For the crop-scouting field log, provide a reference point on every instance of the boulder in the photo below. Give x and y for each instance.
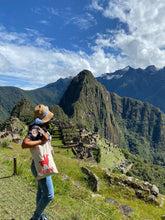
(65, 177)
(93, 180)
(112, 202)
(154, 190)
(152, 199)
(139, 194)
(126, 210)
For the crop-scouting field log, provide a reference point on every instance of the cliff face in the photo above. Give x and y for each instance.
(134, 125)
(86, 101)
(142, 127)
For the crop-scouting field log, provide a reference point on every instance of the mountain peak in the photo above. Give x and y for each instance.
(73, 92)
(126, 68)
(151, 68)
(84, 75)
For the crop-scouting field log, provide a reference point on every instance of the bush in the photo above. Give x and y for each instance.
(5, 143)
(97, 155)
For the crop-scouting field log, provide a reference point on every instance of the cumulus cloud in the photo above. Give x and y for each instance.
(42, 65)
(144, 43)
(31, 57)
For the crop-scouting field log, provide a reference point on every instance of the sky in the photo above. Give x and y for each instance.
(44, 40)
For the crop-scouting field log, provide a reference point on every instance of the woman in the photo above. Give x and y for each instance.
(45, 193)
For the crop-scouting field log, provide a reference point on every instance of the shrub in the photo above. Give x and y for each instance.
(5, 143)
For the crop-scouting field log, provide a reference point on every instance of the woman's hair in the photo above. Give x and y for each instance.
(44, 126)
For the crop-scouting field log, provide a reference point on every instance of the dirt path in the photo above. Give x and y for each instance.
(17, 200)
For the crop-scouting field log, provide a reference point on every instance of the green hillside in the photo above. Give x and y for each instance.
(133, 125)
(48, 95)
(73, 198)
(90, 105)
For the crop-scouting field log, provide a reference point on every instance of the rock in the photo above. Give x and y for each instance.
(152, 198)
(161, 203)
(10, 146)
(154, 190)
(65, 177)
(17, 140)
(76, 184)
(126, 210)
(112, 202)
(93, 180)
(97, 195)
(139, 194)
(108, 177)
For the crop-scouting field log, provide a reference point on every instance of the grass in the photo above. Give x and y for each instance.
(110, 156)
(73, 199)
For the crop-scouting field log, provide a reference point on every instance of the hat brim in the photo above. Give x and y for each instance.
(47, 117)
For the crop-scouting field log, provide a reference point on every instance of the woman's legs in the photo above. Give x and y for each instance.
(38, 197)
(45, 193)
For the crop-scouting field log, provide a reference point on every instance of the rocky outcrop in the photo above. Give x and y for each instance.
(12, 130)
(143, 190)
(93, 180)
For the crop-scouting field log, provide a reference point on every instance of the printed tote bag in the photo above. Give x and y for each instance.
(43, 160)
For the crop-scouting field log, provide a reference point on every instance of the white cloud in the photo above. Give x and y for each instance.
(144, 44)
(96, 4)
(32, 58)
(42, 65)
(82, 21)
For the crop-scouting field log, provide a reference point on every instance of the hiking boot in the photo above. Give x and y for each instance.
(44, 218)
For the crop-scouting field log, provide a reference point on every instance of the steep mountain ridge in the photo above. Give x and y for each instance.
(147, 85)
(139, 127)
(86, 101)
(142, 126)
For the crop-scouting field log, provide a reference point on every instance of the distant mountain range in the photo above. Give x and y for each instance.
(131, 124)
(147, 85)
(48, 95)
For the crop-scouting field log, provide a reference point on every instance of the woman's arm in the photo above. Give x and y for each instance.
(27, 143)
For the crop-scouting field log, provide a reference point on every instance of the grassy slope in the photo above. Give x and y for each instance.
(67, 204)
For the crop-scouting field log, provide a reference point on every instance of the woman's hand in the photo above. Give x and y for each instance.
(27, 143)
(45, 138)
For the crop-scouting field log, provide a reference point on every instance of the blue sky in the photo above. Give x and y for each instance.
(44, 40)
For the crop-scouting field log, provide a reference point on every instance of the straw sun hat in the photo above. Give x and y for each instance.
(42, 113)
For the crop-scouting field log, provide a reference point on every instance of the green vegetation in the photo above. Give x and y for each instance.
(48, 95)
(146, 171)
(73, 199)
(97, 155)
(24, 111)
(5, 143)
(132, 125)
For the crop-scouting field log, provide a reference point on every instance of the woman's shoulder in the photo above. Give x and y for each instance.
(34, 132)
